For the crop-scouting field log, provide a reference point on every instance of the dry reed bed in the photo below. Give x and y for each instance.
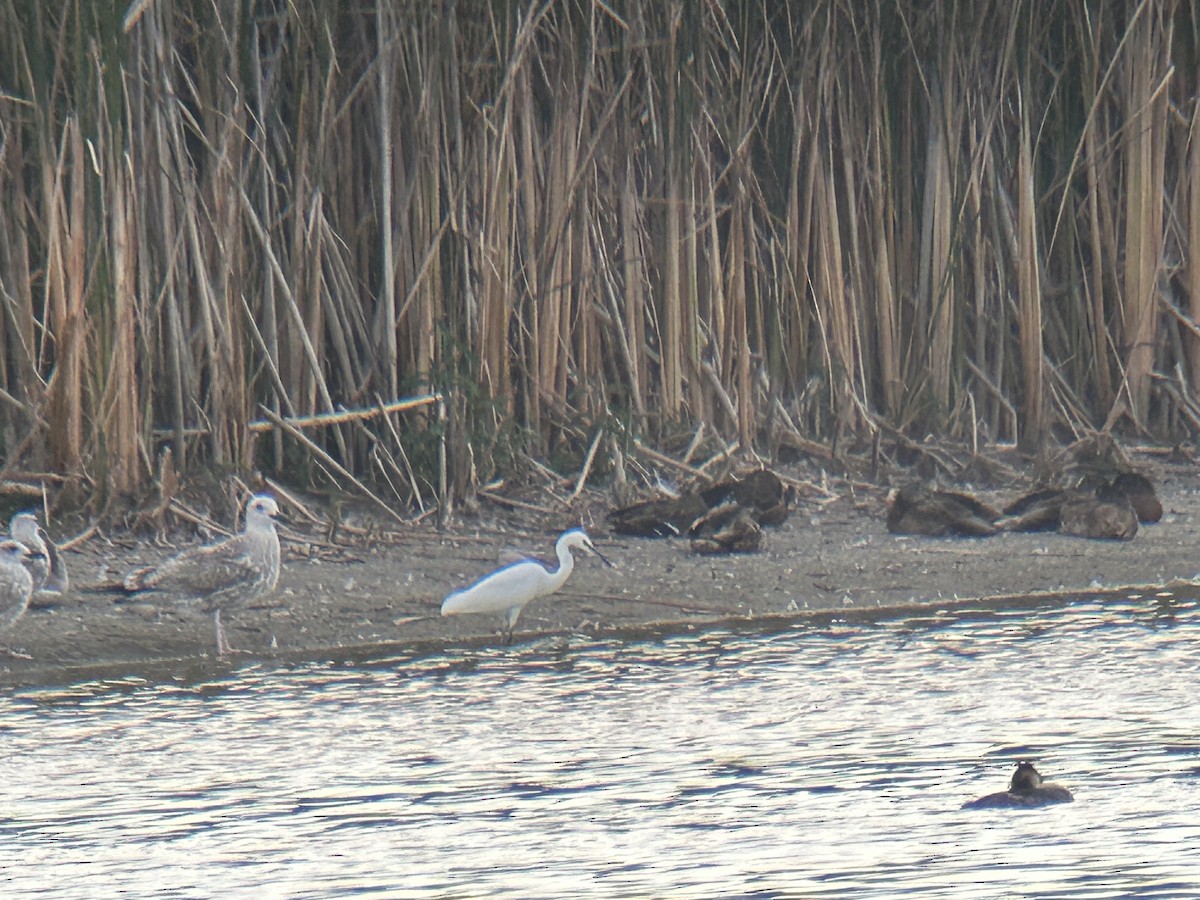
(586, 224)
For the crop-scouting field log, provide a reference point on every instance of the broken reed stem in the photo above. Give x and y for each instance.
(654, 455)
(330, 462)
(399, 442)
(1029, 291)
(348, 415)
(587, 465)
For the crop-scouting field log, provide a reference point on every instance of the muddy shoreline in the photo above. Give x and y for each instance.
(378, 593)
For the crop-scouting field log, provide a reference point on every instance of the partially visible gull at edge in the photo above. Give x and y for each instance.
(45, 563)
(16, 586)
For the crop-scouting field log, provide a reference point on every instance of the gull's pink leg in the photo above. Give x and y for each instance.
(222, 644)
(223, 648)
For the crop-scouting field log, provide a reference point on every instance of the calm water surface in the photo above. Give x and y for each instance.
(825, 759)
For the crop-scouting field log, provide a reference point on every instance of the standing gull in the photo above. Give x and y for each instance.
(45, 564)
(225, 575)
(510, 587)
(16, 585)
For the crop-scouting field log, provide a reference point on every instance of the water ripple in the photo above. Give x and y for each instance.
(825, 757)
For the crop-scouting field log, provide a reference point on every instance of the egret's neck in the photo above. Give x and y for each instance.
(566, 564)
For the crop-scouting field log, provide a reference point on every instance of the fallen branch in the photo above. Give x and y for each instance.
(20, 489)
(80, 538)
(345, 415)
(721, 456)
(791, 437)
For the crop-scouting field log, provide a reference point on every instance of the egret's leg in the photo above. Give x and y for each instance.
(511, 621)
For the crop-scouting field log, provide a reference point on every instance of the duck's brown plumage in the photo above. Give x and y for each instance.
(666, 517)
(1084, 514)
(1038, 510)
(730, 528)
(760, 492)
(918, 510)
(1138, 491)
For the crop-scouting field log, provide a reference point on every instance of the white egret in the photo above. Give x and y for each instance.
(45, 564)
(511, 587)
(16, 585)
(225, 575)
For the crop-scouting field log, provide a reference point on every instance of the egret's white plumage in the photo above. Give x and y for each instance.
(16, 584)
(44, 562)
(224, 575)
(510, 588)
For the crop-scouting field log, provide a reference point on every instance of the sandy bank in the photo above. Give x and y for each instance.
(358, 598)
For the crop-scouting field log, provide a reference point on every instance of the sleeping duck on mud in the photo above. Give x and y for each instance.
(915, 509)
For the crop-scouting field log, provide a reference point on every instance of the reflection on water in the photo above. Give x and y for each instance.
(825, 758)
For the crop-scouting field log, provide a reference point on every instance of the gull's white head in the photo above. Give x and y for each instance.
(262, 506)
(24, 528)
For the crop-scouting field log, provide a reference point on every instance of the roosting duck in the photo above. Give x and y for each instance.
(1108, 510)
(730, 528)
(1138, 491)
(1085, 514)
(667, 517)
(760, 492)
(1097, 463)
(1038, 510)
(917, 510)
(1025, 791)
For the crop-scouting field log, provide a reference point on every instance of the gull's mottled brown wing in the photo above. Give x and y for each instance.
(204, 572)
